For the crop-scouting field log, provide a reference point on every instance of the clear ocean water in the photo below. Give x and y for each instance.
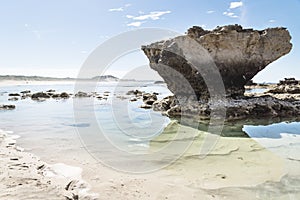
(49, 128)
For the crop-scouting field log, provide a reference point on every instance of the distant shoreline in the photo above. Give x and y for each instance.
(42, 78)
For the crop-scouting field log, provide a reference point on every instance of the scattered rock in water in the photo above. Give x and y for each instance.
(50, 91)
(133, 99)
(135, 92)
(14, 95)
(64, 95)
(13, 99)
(149, 99)
(25, 92)
(56, 96)
(145, 106)
(148, 96)
(165, 104)
(40, 96)
(26, 95)
(82, 94)
(289, 81)
(7, 107)
(288, 86)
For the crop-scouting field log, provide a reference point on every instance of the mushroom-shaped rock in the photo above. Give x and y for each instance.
(238, 54)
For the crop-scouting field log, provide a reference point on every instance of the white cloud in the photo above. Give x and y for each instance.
(155, 15)
(129, 16)
(235, 4)
(272, 20)
(230, 14)
(116, 9)
(135, 24)
(210, 11)
(121, 9)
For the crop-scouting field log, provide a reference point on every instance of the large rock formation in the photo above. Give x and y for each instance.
(239, 54)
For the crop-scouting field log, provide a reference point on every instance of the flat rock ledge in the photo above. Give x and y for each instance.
(235, 109)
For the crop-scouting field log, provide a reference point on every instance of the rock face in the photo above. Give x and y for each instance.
(239, 54)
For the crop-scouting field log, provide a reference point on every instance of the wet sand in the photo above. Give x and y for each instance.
(237, 168)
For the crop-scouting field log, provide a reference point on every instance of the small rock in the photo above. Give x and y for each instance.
(146, 106)
(7, 107)
(25, 92)
(14, 95)
(82, 94)
(148, 96)
(55, 96)
(13, 99)
(149, 102)
(134, 92)
(38, 95)
(64, 95)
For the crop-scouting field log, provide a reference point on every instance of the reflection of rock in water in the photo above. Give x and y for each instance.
(232, 162)
(236, 128)
(288, 188)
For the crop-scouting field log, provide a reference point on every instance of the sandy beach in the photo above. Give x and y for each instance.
(24, 176)
(235, 169)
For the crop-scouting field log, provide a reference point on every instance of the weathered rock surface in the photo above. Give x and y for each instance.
(239, 54)
(7, 107)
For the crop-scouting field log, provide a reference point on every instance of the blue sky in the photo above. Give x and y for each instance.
(53, 38)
